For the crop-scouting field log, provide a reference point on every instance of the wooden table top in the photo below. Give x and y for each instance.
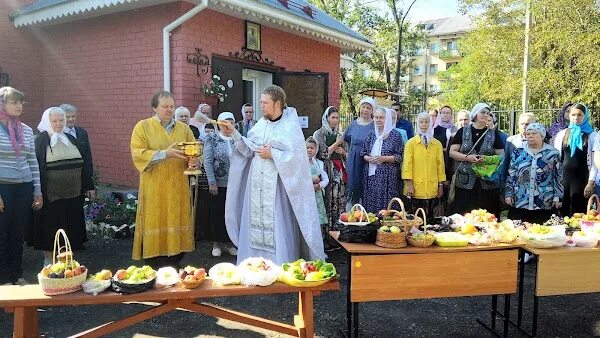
(562, 250)
(16, 296)
(361, 248)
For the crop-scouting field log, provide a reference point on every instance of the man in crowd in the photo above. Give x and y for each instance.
(402, 122)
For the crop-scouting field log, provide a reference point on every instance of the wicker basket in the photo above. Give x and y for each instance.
(425, 241)
(59, 286)
(192, 285)
(391, 240)
(585, 224)
(403, 222)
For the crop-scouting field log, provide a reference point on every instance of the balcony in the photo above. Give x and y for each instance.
(449, 54)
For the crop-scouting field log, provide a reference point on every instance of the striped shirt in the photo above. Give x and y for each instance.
(20, 169)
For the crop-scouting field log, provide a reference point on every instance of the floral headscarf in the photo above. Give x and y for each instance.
(537, 127)
(325, 121)
(15, 130)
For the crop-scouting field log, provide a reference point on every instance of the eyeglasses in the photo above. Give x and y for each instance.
(397, 109)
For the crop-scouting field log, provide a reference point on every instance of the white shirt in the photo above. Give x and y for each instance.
(70, 131)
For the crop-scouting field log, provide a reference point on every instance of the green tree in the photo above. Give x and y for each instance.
(564, 66)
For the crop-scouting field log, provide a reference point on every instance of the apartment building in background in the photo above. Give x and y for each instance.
(438, 54)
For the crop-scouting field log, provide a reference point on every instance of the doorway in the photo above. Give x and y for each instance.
(254, 82)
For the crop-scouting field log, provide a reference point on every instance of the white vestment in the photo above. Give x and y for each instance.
(271, 210)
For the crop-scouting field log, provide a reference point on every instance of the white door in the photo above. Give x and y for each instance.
(255, 82)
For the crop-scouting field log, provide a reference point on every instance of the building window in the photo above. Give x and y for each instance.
(434, 88)
(451, 45)
(417, 70)
(417, 88)
(435, 48)
(420, 51)
(433, 69)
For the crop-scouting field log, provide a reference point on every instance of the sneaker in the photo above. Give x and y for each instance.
(21, 281)
(216, 251)
(232, 251)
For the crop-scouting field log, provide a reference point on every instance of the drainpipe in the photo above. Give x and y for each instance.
(167, 42)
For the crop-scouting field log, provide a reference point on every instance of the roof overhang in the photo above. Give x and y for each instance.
(68, 11)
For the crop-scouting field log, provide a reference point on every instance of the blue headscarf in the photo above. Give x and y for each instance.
(577, 130)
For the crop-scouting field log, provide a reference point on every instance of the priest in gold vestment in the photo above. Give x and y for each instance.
(163, 229)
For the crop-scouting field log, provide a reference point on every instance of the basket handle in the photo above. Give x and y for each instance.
(424, 219)
(361, 209)
(56, 248)
(592, 199)
(396, 199)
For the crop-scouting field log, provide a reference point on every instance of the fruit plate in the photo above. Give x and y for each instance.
(450, 239)
(284, 277)
(130, 288)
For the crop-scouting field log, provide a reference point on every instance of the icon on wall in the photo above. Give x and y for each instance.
(253, 36)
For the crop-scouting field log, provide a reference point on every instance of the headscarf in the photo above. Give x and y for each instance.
(46, 126)
(439, 122)
(243, 112)
(561, 123)
(476, 109)
(325, 122)
(199, 109)
(180, 110)
(577, 131)
(222, 117)
(428, 135)
(370, 101)
(15, 130)
(537, 127)
(378, 144)
(313, 141)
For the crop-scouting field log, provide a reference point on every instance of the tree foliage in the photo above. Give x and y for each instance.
(564, 63)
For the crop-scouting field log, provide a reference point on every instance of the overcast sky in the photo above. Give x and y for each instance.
(424, 9)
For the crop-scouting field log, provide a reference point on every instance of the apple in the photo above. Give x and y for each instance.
(76, 272)
(200, 274)
(69, 273)
(121, 274)
(360, 217)
(189, 279)
(344, 217)
(82, 268)
(384, 228)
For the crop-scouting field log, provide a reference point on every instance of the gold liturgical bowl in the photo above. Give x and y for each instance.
(191, 149)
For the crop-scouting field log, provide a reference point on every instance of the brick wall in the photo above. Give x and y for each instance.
(20, 57)
(110, 66)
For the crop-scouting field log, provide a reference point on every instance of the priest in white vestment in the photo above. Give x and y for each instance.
(271, 210)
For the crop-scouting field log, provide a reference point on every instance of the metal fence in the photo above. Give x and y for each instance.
(507, 119)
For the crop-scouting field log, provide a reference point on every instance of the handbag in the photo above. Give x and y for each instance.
(452, 189)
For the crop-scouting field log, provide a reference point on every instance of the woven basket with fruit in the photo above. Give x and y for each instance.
(592, 216)
(357, 216)
(65, 275)
(401, 219)
(192, 277)
(423, 239)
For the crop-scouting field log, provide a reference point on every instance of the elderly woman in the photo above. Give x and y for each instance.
(382, 153)
(217, 150)
(423, 168)
(203, 109)
(333, 157)
(575, 145)
(355, 135)
(469, 145)
(64, 180)
(534, 187)
(20, 188)
(182, 114)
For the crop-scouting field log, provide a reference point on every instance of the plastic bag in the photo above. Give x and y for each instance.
(555, 238)
(258, 271)
(95, 287)
(166, 277)
(225, 274)
(585, 240)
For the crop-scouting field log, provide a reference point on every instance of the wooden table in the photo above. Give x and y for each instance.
(25, 300)
(380, 274)
(559, 271)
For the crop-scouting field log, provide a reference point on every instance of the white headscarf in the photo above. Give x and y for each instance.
(243, 112)
(222, 117)
(476, 109)
(428, 135)
(180, 110)
(378, 145)
(325, 121)
(46, 126)
(370, 101)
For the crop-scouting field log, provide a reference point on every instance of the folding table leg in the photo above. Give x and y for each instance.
(26, 322)
(521, 286)
(506, 314)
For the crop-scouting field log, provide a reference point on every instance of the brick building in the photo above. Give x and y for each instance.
(108, 57)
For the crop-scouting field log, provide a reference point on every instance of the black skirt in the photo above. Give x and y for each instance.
(466, 200)
(213, 228)
(66, 214)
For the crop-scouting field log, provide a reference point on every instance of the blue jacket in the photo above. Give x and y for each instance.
(406, 125)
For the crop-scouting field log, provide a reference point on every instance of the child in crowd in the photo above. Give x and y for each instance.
(320, 181)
